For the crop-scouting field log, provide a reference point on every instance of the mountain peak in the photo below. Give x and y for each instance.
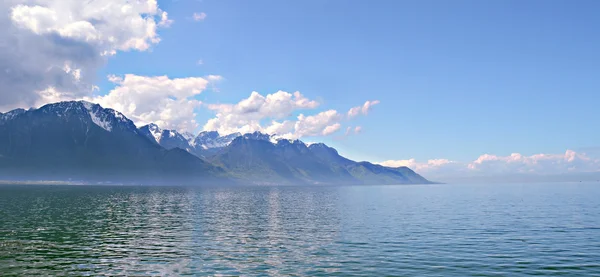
(106, 118)
(213, 140)
(322, 148)
(11, 114)
(317, 145)
(208, 134)
(284, 141)
(152, 126)
(152, 131)
(257, 135)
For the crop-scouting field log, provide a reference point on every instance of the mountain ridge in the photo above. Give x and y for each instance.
(78, 139)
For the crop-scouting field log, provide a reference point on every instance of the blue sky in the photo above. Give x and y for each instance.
(454, 79)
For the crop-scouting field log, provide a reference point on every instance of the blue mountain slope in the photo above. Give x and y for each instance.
(255, 158)
(83, 140)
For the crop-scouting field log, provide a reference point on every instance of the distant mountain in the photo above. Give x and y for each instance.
(260, 158)
(83, 140)
(10, 115)
(168, 139)
(208, 143)
(205, 144)
(366, 171)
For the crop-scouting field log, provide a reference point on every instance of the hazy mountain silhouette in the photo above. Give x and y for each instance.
(81, 140)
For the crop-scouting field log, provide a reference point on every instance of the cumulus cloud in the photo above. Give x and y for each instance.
(324, 123)
(493, 165)
(164, 20)
(50, 50)
(110, 25)
(364, 109)
(284, 128)
(246, 115)
(273, 114)
(170, 103)
(199, 16)
(331, 129)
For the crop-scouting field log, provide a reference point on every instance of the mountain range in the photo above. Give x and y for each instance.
(78, 140)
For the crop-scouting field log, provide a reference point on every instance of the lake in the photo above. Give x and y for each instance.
(419, 230)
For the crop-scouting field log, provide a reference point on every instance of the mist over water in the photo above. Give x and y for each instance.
(429, 230)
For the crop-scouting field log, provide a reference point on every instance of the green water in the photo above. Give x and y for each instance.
(433, 230)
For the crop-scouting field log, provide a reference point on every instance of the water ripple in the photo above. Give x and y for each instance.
(458, 230)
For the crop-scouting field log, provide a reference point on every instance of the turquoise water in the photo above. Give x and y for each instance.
(430, 230)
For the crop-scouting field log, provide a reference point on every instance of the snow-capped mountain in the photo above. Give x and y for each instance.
(260, 136)
(83, 139)
(205, 139)
(10, 115)
(212, 139)
(106, 118)
(206, 143)
(168, 139)
(272, 138)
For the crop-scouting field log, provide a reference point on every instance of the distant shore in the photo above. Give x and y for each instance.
(20, 182)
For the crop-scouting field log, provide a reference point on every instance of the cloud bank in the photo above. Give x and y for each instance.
(170, 103)
(494, 165)
(272, 114)
(51, 50)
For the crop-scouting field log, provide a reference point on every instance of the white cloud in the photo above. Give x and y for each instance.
(200, 62)
(51, 95)
(570, 161)
(199, 16)
(246, 115)
(364, 109)
(110, 25)
(164, 20)
(331, 129)
(284, 128)
(273, 113)
(421, 167)
(493, 165)
(52, 49)
(324, 123)
(170, 103)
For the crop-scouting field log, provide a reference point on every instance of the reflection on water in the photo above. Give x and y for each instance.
(279, 231)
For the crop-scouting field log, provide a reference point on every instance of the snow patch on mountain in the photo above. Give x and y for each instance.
(95, 112)
(189, 137)
(119, 115)
(212, 139)
(155, 131)
(11, 115)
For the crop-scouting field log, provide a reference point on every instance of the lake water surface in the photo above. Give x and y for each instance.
(429, 230)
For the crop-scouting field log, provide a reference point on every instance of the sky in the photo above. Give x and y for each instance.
(447, 88)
